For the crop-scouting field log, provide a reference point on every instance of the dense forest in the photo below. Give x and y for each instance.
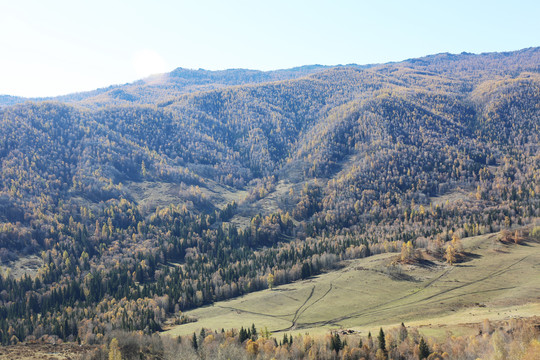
(147, 199)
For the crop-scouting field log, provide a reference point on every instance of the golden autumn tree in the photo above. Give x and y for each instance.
(114, 350)
(450, 255)
(407, 252)
(533, 350)
(270, 279)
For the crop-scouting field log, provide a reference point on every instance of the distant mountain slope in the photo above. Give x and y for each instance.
(7, 100)
(442, 108)
(182, 190)
(179, 81)
(312, 124)
(163, 87)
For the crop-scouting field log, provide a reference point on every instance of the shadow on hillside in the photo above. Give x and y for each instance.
(403, 277)
(468, 256)
(425, 263)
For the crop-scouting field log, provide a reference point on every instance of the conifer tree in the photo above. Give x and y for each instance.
(382, 341)
(423, 350)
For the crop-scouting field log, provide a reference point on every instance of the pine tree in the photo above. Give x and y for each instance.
(403, 333)
(194, 341)
(335, 343)
(202, 335)
(253, 332)
(423, 350)
(382, 341)
(243, 335)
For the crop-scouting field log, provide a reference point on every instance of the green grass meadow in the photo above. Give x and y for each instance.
(497, 281)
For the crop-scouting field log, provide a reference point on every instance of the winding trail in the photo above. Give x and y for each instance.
(380, 308)
(296, 314)
(253, 312)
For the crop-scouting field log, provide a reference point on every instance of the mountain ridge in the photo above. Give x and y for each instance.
(158, 198)
(251, 76)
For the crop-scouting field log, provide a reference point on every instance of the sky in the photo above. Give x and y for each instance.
(56, 47)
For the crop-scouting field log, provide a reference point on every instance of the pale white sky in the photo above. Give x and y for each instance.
(57, 47)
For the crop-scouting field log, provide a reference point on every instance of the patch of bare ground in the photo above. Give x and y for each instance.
(28, 265)
(453, 196)
(150, 195)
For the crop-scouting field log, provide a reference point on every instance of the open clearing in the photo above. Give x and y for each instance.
(150, 195)
(496, 282)
(27, 265)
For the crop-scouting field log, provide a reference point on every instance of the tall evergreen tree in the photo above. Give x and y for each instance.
(382, 341)
(423, 350)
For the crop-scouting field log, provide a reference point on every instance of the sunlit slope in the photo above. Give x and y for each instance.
(496, 281)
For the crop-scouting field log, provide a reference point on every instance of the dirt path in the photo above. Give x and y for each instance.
(253, 312)
(296, 314)
(381, 308)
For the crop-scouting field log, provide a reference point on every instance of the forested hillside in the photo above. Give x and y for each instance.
(158, 88)
(151, 198)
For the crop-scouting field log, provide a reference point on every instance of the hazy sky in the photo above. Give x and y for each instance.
(56, 47)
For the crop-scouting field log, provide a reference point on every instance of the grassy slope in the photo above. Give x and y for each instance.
(497, 281)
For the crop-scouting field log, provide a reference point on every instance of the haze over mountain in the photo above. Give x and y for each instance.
(194, 186)
(178, 81)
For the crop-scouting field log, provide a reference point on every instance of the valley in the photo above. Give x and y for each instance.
(308, 200)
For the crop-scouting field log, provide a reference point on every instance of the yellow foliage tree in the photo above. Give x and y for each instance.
(380, 355)
(270, 281)
(450, 255)
(114, 350)
(533, 351)
(252, 347)
(456, 244)
(407, 252)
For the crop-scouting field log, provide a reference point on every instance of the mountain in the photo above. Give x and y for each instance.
(156, 87)
(194, 186)
(6, 100)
